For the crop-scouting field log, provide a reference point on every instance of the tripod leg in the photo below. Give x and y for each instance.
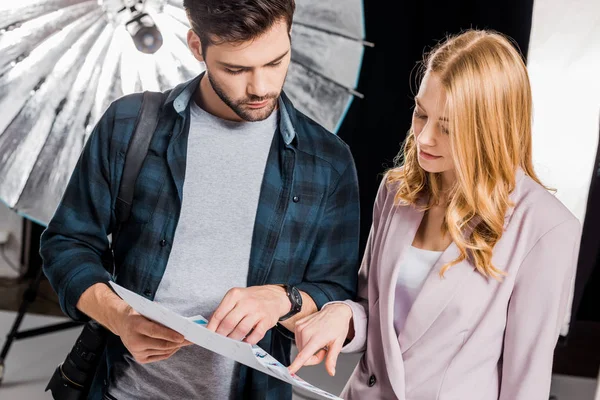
(28, 298)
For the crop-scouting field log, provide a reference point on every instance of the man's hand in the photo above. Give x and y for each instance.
(148, 341)
(248, 313)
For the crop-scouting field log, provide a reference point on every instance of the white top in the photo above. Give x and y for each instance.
(412, 274)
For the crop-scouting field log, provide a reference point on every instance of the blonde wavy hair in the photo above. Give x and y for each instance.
(489, 111)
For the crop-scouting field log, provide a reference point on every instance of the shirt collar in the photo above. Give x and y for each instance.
(182, 94)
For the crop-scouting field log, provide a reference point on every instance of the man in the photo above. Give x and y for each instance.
(269, 209)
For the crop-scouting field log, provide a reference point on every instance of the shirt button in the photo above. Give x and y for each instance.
(147, 293)
(296, 199)
(372, 381)
(163, 243)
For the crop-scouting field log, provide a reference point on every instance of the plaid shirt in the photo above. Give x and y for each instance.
(306, 230)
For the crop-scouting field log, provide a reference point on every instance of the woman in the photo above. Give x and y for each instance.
(467, 272)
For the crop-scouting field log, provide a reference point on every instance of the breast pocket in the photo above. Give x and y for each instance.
(304, 214)
(299, 231)
(148, 188)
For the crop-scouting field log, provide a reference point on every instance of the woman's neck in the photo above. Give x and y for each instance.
(447, 182)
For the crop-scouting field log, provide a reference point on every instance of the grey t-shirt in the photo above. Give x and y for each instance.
(211, 251)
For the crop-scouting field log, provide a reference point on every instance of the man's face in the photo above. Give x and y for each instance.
(248, 77)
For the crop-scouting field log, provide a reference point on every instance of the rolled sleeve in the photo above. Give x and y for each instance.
(83, 278)
(316, 293)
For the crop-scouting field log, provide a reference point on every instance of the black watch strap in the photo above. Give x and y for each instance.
(295, 298)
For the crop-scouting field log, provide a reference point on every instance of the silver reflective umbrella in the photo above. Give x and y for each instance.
(63, 61)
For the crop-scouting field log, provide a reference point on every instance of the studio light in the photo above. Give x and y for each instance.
(146, 36)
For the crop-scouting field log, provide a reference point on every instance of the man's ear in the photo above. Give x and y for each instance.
(195, 45)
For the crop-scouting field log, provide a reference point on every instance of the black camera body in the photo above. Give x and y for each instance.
(72, 379)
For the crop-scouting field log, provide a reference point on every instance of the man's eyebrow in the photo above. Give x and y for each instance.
(235, 66)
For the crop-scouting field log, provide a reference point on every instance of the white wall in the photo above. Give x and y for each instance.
(564, 68)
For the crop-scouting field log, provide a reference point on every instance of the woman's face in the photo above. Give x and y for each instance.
(430, 126)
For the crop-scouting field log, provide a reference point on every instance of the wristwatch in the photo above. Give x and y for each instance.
(295, 298)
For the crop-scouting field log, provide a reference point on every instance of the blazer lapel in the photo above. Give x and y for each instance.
(435, 295)
(403, 223)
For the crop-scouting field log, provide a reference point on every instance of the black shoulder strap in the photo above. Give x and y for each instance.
(136, 152)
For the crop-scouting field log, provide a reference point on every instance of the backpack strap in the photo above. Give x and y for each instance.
(136, 153)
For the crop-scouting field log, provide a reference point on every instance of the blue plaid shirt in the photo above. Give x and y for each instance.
(306, 231)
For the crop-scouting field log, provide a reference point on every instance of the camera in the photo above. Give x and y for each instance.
(72, 379)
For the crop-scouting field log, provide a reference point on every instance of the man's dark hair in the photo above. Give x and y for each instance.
(235, 21)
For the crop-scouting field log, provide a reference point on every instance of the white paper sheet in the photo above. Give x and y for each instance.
(194, 330)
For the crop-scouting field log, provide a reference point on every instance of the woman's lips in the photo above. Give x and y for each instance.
(428, 156)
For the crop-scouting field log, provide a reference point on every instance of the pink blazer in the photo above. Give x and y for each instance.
(466, 337)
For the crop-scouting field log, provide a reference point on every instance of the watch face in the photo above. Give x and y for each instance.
(296, 300)
(297, 297)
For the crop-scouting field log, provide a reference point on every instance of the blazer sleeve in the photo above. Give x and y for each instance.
(360, 306)
(536, 312)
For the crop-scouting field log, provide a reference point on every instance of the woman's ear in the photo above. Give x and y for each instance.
(195, 45)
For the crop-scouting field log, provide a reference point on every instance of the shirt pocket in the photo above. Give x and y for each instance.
(299, 233)
(304, 207)
(148, 188)
(303, 220)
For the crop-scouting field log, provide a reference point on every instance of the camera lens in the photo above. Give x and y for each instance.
(73, 377)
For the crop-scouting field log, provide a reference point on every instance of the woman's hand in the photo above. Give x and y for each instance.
(322, 335)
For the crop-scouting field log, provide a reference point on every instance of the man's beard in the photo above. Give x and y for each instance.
(240, 107)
